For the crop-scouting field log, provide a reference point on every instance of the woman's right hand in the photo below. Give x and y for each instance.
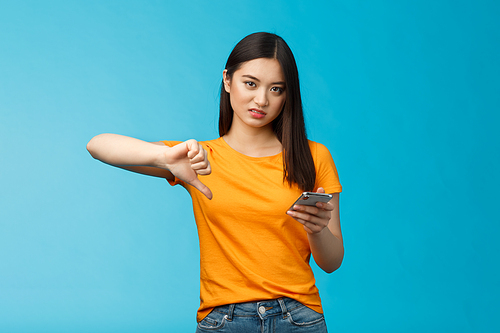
(186, 161)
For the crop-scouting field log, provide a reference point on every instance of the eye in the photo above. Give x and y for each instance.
(250, 84)
(277, 89)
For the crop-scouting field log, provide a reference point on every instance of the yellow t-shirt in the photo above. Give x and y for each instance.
(250, 249)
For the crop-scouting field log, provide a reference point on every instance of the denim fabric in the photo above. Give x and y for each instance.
(282, 315)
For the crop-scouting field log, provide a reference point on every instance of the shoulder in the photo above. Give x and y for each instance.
(213, 142)
(326, 171)
(216, 144)
(318, 150)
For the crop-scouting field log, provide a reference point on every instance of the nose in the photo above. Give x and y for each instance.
(261, 98)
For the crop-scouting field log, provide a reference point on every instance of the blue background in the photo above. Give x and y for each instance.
(405, 94)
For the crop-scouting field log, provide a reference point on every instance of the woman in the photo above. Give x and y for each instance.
(255, 249)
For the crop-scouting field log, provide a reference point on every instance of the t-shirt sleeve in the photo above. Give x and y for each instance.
(326, 171)
(176, 180)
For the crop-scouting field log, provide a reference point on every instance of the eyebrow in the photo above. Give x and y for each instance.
(256, 79)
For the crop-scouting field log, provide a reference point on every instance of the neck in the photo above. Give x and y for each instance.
(254, 142)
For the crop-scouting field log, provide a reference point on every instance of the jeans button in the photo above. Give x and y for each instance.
(262, 310)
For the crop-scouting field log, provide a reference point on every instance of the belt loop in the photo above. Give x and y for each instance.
(230, 312)
(281, 301)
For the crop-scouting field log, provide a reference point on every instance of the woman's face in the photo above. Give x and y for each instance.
(257, 92)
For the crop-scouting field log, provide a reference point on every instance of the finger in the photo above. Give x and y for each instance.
(312, 229)
(308, 218)
(200, 157)
(325, 206)
(309, 227)
(308, 209)
(193, 148)
(202, 188)
(308, 230)
(201, 165)
(203, 172)
(320, 190)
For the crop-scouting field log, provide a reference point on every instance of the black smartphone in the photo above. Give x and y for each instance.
(311, 198)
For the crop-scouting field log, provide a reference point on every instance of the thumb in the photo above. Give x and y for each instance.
(202, 188)
(320, 190)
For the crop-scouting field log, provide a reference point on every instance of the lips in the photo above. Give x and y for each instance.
(256, 113)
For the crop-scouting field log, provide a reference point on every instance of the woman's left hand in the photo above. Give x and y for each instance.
(314, 219)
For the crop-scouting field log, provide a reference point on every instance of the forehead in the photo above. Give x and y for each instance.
(264, 69)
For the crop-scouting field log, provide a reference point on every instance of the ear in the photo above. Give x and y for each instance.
(227, 81)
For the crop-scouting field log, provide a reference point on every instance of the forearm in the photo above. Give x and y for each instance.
(327, 250)
(322, 224)
(185, 160)
(121, 150)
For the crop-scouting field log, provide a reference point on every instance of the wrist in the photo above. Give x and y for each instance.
(322, 234)
(160, 157)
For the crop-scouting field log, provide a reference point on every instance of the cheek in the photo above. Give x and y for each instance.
(280, 103)
(238, 96)
(234, 99)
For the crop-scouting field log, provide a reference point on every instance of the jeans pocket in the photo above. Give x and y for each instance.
(213, 321)
(304, 316)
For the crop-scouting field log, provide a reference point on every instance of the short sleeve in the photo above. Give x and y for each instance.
(176, 180)
(326, 171)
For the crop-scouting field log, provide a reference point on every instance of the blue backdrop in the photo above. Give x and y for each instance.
(404, 94)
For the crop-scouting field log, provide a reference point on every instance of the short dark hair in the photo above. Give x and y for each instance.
(289, 126)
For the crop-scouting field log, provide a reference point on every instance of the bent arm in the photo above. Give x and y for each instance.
(327, 246)
(322, 224)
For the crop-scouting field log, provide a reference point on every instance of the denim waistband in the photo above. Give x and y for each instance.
(260, 309)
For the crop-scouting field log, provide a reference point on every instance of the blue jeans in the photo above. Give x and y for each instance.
(281, 315)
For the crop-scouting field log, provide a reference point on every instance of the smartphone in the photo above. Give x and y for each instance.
(311, 198)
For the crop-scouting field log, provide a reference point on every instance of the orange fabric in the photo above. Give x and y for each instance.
(250, 248)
